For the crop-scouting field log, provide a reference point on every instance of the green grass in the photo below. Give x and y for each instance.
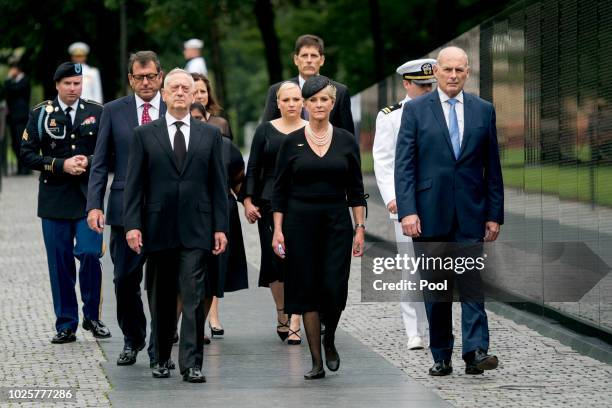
(572, 182)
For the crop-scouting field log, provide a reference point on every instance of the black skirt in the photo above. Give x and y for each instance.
(318, 239)
(272, 267)
(228, 272)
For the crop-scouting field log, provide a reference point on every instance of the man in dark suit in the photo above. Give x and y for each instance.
(17, 93)
(59, 142)
(309, 58)
(175, 209)
(119, 119)
(449, 188)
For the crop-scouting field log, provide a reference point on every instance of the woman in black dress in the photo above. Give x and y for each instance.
(257, 194)
(318, 175)
(227, 272)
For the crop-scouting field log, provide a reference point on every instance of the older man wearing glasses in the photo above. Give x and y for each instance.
(119, 119)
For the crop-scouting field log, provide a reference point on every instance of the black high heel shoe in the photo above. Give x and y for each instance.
(215, 331)
(282, 334)
(292, 342)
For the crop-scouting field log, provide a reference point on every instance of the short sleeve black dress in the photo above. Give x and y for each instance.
(258, 185)
(314, 194)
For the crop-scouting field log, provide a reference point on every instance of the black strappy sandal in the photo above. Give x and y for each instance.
(282, 334)
(292, 342)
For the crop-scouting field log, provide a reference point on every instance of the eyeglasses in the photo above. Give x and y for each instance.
(140, 78)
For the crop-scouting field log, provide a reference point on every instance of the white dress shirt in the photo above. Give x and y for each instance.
(458, 109)
(153, 109)
(74, 107)
(170, 120)
(301, 81)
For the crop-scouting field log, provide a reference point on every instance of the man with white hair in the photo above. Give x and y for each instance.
(450, 199)
(192, 51)
(92, 85)
(175, 210)
(417, 79)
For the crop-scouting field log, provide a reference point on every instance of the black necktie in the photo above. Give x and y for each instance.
(180, 148)
(68, 120)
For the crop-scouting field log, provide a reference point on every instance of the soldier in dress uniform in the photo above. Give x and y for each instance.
(59, 141)
(417, 79)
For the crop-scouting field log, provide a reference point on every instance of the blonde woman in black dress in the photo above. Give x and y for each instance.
(318, 176)
(258, 192)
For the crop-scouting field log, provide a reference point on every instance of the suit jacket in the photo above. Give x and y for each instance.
(17, 94)
(176, 208)
(340, 115)
(431, 183)
(117, 125)
(47, 143)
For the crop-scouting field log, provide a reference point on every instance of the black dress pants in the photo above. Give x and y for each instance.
(177, 270)
(127, 278)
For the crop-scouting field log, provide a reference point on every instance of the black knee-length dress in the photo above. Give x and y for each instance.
(228, 271)
(258, 185)
(314, 194)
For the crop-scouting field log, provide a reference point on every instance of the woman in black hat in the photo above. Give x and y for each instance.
(318, 175)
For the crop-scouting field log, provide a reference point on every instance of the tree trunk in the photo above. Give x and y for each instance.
(216, 56)
(264, 13)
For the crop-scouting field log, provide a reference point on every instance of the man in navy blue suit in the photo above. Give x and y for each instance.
(449, 188)
(119, 119)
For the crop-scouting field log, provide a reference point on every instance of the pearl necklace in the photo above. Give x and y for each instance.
(319, 140)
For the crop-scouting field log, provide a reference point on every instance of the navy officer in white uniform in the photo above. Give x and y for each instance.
(417, 79)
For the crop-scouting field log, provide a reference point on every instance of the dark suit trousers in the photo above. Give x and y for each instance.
(173, 271)
(438, 304)
(127, 277)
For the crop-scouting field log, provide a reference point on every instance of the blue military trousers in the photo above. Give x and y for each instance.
(64, 241)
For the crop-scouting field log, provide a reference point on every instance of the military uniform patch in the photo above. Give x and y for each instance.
(25, 135)
(388, 109)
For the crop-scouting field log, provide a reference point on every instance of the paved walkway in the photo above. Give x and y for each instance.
(250, 366)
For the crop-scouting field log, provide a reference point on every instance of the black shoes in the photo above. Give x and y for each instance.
(315, 374)
(215, 331)
(128, 355)
(441, 368)
(170, 364)
(194, 375)
(332, 359)
(161, 370)
(484, 361)
(471, 369)
(64, 336)
(477, 364)
(97, 328)
(294, 342)
(281, 333)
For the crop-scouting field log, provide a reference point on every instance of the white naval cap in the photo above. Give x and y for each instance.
(420, 71)
(194, 43)
(78, 48)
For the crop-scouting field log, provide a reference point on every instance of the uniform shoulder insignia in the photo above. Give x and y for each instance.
(93, 102)
(388, 109)
(43, 103)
